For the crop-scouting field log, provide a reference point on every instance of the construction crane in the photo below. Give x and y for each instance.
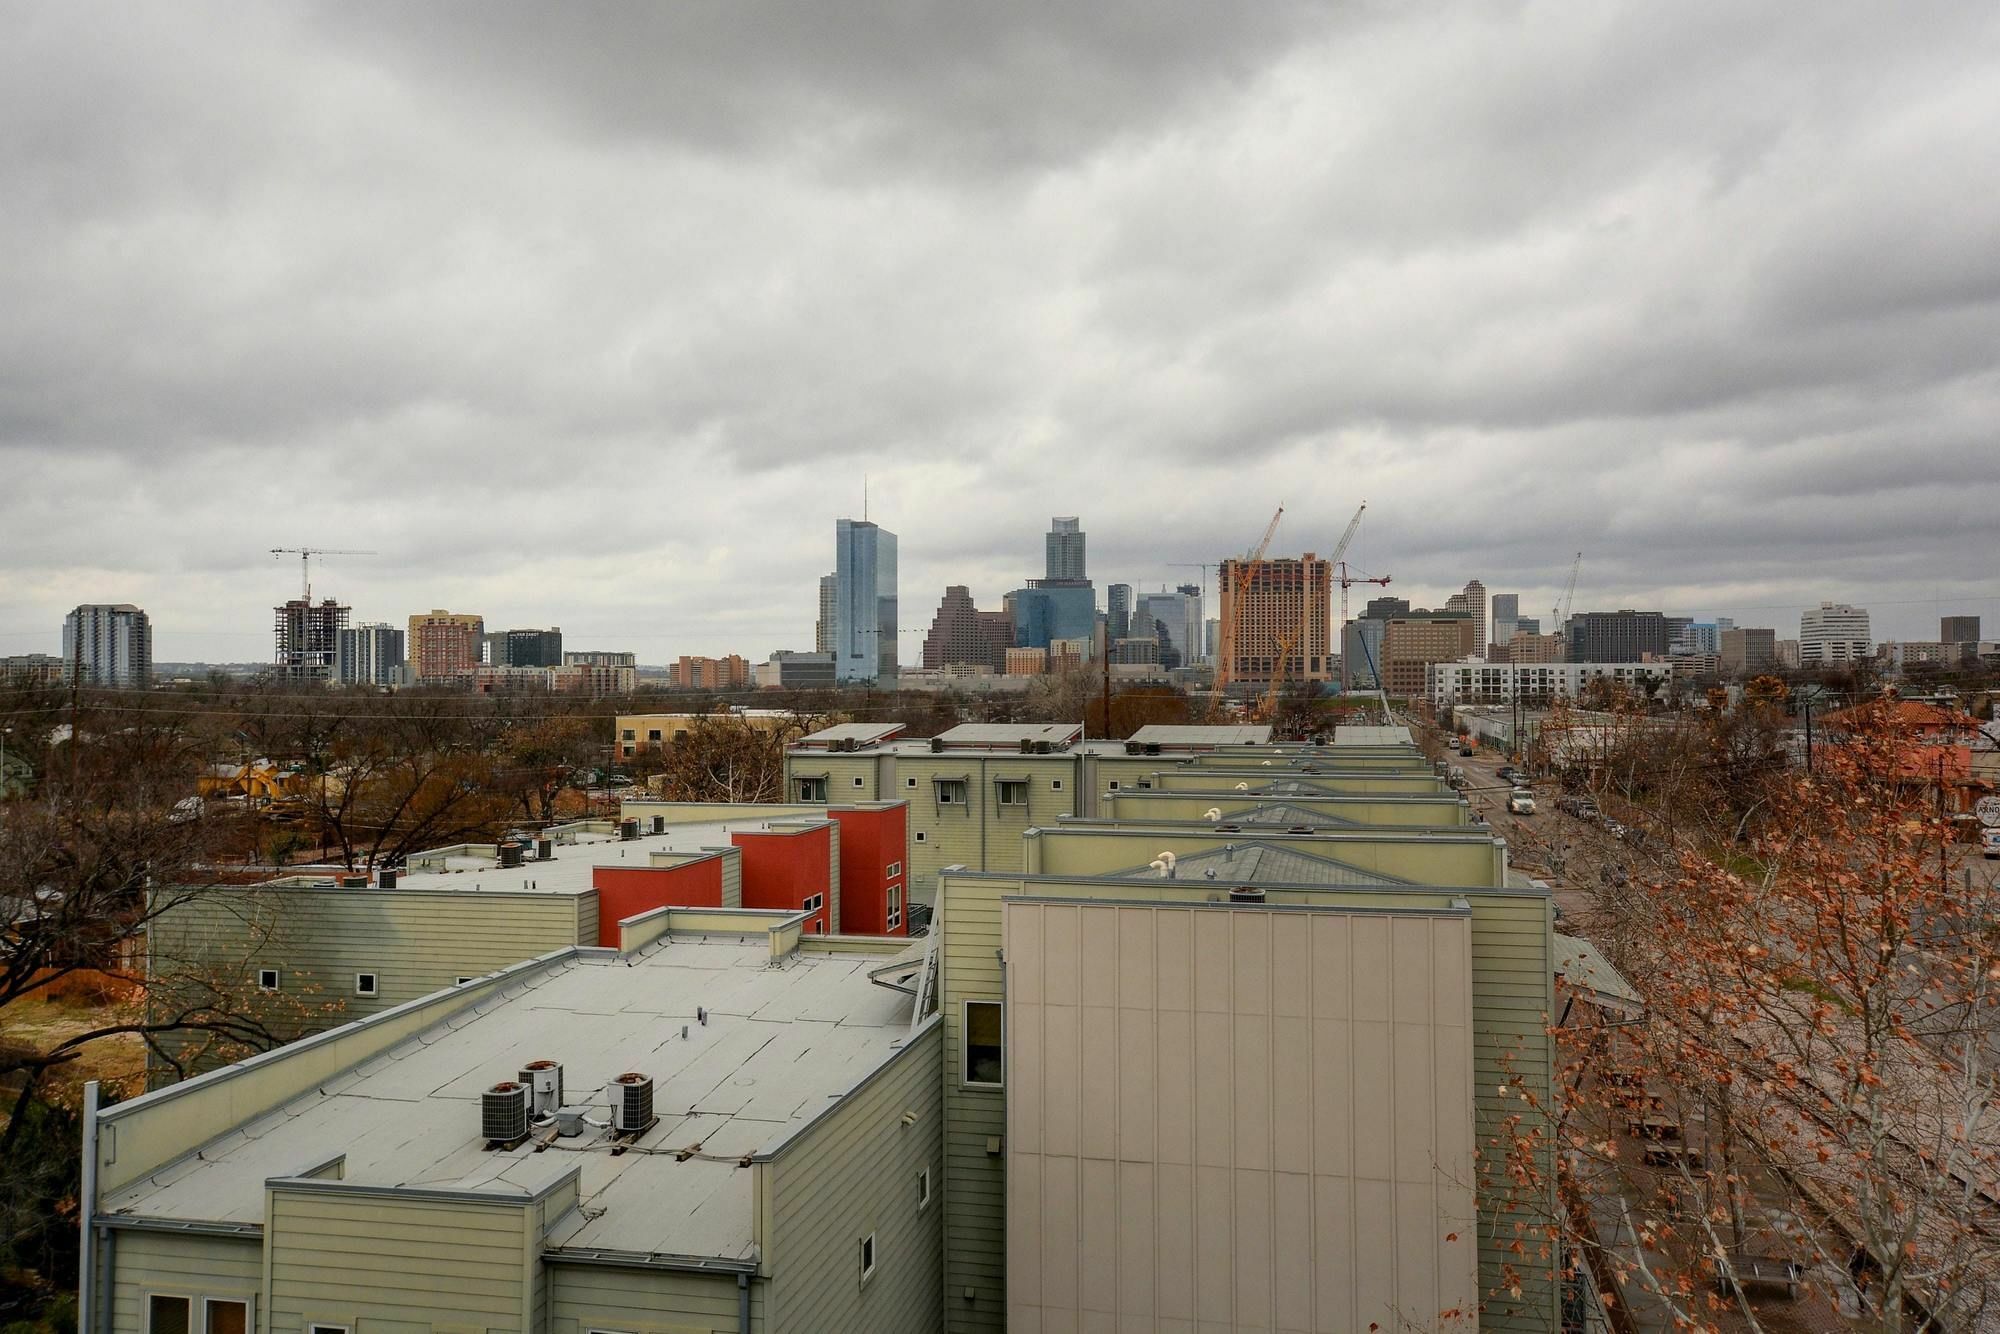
(305, 555)
(1226, 647)
(1340, 571)
(1561, 610)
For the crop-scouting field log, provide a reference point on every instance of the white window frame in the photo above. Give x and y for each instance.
(895, 915)
(193, 1306)
(895, 869)
(1114, 785)
(958, 785)
(374, 987)
(321, 1327)
(858, 780)
(923, 1189)
(921, 838)
(807, 786)
(1055, 785)
(814, 902)
(871, 1257)
(276, 984)
(248, 1303)
(909, 782)
(965, 1078)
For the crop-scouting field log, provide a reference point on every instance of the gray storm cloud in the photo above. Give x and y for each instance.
(597, 315)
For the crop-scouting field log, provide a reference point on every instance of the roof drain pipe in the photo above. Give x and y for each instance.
(743, 1303)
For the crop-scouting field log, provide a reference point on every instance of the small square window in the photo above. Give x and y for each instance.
(1114, 785)
(628, 735)
(653, 734)
(867, 1257)
(1145, 782)
(1055, 785)
(364, 984)
(920, 837)
(909, 782)
(169, 1315)
(923, 1188)
(267, 979)
(857, 780)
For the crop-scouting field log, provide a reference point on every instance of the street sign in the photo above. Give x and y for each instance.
(1988, 811)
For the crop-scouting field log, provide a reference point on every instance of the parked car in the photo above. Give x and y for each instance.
(1521, 802)
(1505, 771)
(1465, 751)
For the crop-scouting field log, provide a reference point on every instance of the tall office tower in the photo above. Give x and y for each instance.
(1957, 630)
(1833, 633)
(531, 648)
(108, 644)
(1065, 550)
(824, 631)
(444, 646)
(1743, 649)
(368, 655)
(963, 635)
(1506, 615)
(1211, 639)
(864, 602)
(1174, 621)
(1471, 601)
(1118, 610)
(1282, 624)
(308, 635)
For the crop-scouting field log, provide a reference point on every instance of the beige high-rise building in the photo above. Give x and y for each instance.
(444, 646)
(1748, 650)
(1534, 648)
(1283, 624)
(1472, 601)
(1410, 644)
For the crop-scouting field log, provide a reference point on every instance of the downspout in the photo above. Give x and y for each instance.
(743, 1303)
(86, 1294)
(110, 1261)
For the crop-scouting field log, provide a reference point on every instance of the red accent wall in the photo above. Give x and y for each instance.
(783, 870)
(871, 841)
(627, 891)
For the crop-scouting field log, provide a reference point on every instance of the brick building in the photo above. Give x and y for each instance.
(1283, 616)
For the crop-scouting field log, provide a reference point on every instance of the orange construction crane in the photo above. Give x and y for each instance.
(1234, 616)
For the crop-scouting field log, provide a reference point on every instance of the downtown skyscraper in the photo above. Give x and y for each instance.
(864, 629)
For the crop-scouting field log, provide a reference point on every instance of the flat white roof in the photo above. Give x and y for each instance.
(1361, 734)
(1202, 734)
(780, 1046)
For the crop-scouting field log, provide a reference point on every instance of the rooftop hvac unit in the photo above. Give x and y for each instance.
(386, 877)
(546, 1081)
(510, 854)
(503, 1113)
(1152, 747)
(1045, 748)
(628, 829)
(1135, 748)
(937, 745)
(659, 824)
(545, 849)
(1246, 894)
(631, 1103)
(1027, 746)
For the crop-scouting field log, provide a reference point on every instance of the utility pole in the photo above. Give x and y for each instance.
(1809, 736)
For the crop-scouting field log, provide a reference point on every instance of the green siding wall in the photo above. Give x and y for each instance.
(851, 1174)
(144, 1263)
(414, 942)
(975, 1184)
(339, 1259)
(645, 1301)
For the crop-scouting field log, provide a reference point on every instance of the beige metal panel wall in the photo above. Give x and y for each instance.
(586, 922)
(1238, 1118)
(732, 877)
(332, 1258)
(841, 770)
(1512, 992)
(1424, 860)
(176, 1265)
(586, 1297)
(975, 1221)
(853, 1174)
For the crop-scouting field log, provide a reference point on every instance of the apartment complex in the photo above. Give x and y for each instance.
(1476, 681)
(715, 1122)
(634, 732)
(1276, 619)
(444, 646)
(696, 673)
(1833, 633)
(108, 644)
(308, 638)
(1618, 636)
(368, 655)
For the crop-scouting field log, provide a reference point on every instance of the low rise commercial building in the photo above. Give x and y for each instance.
(634, 732)
(717, 1123)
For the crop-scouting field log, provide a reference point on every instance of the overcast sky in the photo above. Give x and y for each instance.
(598, 315)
